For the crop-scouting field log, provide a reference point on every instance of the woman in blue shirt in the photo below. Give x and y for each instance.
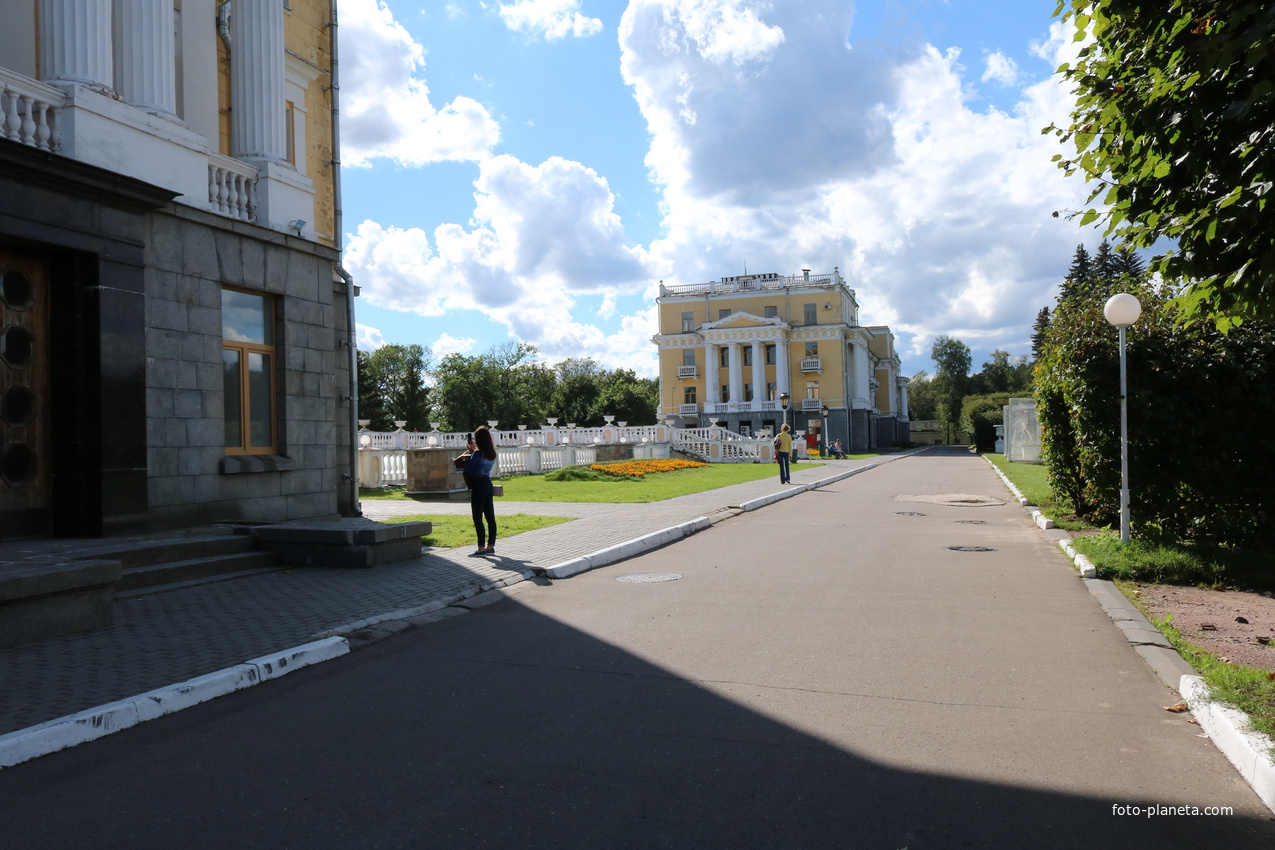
(482, 458)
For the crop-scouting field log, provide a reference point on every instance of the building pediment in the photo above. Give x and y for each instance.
(741, 320)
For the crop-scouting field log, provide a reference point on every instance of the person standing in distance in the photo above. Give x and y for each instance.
(783, 453)
(478, 466)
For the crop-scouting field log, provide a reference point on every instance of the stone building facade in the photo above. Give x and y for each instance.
(732, 351)
(175, 323)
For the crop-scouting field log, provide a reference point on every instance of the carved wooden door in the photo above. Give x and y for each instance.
(25, 489)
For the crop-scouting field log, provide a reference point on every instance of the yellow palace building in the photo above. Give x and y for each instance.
(734, 352)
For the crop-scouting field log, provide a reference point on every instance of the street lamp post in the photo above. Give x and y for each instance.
(783, 403)
(1122, 310)
(823, 431)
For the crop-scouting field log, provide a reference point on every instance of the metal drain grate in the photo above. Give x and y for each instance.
(971, 522)
(971, 549)
(649, 577)
(908, 513)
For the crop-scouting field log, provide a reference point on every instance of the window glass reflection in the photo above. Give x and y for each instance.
(247, 318)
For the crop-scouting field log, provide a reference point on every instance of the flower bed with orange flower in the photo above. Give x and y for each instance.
(640, 468)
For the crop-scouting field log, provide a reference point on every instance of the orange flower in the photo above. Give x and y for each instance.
(639, 468)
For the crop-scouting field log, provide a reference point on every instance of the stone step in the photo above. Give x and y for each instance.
(139, 553)
(169, 572)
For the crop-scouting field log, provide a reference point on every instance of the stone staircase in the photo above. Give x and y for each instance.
(150, 563)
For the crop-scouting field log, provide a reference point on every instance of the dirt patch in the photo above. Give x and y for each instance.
(1195, 610)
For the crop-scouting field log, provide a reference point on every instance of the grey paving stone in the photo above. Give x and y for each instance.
(168, 637)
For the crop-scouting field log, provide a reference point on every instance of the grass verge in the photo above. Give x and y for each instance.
(1032, 479)
(451, 531)
(1184, 563)
(607, 489)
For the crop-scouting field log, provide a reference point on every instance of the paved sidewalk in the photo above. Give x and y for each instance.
(164, 638)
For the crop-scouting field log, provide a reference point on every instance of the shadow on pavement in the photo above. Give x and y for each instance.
(508, 729)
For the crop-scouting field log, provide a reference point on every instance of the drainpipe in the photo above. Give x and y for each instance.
(223, 23)
(356, 508)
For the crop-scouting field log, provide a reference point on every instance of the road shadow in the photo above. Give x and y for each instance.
(506, 728)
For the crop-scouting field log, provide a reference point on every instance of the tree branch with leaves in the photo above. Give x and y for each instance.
(1174, 126)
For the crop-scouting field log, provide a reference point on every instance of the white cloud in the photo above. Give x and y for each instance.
(1000, 69)
(872, 160)
(385, 106)
(773, 145)
(550, 18)
(540, 236)
(368, 339)
(447, 344)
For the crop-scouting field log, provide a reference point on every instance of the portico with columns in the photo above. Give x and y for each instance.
(756, 338)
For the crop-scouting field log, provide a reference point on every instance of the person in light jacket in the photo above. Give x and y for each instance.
(783, 453)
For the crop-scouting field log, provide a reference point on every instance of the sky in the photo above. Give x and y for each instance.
(530, 170)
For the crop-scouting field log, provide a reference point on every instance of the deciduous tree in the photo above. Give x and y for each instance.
(1174, 128)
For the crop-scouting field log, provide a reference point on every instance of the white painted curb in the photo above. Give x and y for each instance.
(627, 549)
(1228, 729)
(90, 724)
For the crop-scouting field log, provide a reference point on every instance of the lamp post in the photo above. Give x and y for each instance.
(1122, 310)
(784, 398)
(823, 431)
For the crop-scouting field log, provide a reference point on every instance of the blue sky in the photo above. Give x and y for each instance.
(531, 169)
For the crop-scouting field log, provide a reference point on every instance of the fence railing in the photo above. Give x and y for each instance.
(29, 112)
(383, 454)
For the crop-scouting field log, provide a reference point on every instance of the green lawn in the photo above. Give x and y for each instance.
(1033, 480)
(452, 531)
(654, 487)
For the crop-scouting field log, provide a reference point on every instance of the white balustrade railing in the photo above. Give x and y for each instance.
(232, 187)
(29, 112)
(383, 455)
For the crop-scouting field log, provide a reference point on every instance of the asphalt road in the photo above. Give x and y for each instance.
(825, 673)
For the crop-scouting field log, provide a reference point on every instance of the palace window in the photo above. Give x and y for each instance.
(723, 357)
(812, 389)
(688, 395)
(248, 370)
(811, 312)
(688, 322)
(748, 355)
(722, 314)
(770, 355)
(812, 349)
(772, 312)
(748, 392)
(688, 357)
(725, 392)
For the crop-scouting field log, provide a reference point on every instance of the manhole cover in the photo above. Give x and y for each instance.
(649, 577)
(971, 549)
(971, 522)
(908, 513)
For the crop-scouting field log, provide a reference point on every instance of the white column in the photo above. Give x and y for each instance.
(903, 400)
(782, 369)
(736, 372)
(75, 42)
(861, 387)
(759, 374)
(257, 131)
(710, 373)
(146, 55)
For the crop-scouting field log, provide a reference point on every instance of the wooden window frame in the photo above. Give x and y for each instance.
(245, 407)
